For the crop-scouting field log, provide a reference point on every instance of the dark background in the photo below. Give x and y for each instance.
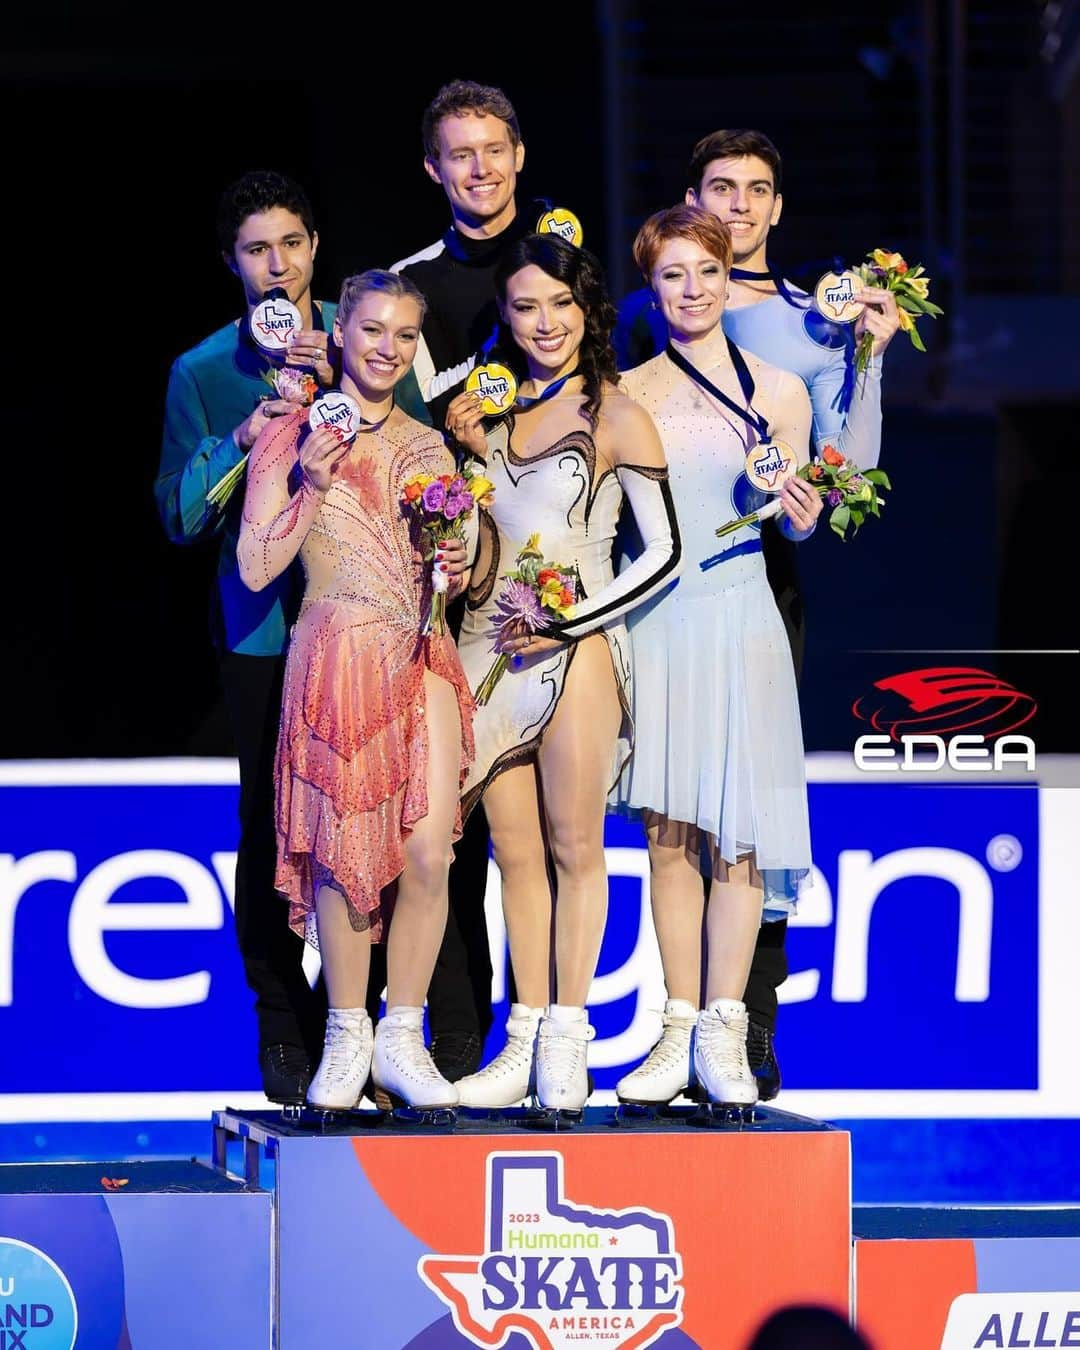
(945, 130)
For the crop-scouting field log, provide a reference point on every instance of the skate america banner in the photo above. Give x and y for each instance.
(557, 1242)
(939, 915)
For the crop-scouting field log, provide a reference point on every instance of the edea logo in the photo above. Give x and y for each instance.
(945, 715)
(37, 1307)
(561, 1273)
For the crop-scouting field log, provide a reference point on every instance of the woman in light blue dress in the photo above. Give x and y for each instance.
(718, 773)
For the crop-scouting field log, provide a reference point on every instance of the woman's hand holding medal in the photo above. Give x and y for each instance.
(464, 422)
(322, 452)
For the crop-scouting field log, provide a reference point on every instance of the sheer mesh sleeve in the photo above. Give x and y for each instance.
(280, 504)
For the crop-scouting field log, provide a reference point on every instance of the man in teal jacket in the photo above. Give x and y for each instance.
(215, 407)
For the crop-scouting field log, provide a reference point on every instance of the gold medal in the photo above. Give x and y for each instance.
(834, 296)
(769, 465)
(563, 223)
(496, 386)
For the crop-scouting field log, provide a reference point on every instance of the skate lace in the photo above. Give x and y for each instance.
(515, 1055)
(723, 1047)
(669, 1051)
(404, 1046)
(344, 1042)
(562, 1052)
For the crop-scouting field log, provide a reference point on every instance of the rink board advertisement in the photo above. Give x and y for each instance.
(682, 1241)
(116, 884)
(125, 1271)
(969, 1293)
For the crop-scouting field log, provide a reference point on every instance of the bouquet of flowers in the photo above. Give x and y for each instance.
(292, 383)
(532, 595)
(442, 505)
(851, 493)
(910, 286)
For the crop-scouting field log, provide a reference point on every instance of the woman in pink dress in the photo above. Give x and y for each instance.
(376, 723)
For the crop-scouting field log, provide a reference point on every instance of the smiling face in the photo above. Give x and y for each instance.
(690, 284)
(739, 191)
(546, 322)
(273, 248)
(477, 167)
(378, 342)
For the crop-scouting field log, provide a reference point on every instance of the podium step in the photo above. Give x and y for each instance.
(671, 1232)
(960, 1278)
(138, 1254)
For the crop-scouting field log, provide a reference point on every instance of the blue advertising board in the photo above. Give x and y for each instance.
(925, 959)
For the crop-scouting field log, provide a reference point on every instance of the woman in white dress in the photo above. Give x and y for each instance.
(557, 730)
(718, 772)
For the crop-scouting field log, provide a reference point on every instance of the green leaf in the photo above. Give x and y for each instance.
(878, 477)
(912, 303)
(839, 519)
(916, 340)
(858, 515)
(935, 311)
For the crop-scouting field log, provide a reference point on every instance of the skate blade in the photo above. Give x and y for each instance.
(726, 1113)
(394, 1105)
(553, 1117)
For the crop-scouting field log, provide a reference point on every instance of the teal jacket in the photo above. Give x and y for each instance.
(212, 389)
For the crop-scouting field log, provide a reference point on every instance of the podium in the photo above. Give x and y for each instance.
(623, 1234)
(143, 1255)
(958, 1278)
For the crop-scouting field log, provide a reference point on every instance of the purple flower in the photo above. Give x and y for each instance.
(456, 502)
(434, 496)
(517, 604)
(834, 497)
(457, 485)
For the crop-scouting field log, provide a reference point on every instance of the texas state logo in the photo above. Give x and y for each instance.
(560, 1272)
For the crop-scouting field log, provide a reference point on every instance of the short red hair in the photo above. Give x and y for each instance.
(681, 222)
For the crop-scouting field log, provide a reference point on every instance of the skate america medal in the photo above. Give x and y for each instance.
(769, 465)
(338, 412)
(834, 296)
(496, 386)
(563, 223)
(273, 322)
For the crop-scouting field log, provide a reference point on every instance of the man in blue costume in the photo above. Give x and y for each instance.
(736, 176)
(215, 407)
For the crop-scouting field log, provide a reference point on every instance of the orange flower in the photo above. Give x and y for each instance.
(831, 456)
(548, 574)
(816, 471)
(901, 268)
(446, 479)
(566, 597)
(413, 491)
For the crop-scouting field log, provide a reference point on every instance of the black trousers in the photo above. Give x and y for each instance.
(289, 1011)
(459, 997)
(769, 968)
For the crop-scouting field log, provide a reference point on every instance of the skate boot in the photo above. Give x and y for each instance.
(761, 1055)
(720, 1061)
(562, 1074)
(346, 1061)
(403, 1072)
(507, 1080)
(665, 1074)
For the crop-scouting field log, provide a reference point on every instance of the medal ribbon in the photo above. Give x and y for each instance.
(782, 289)
(523, 401)
(746, 384)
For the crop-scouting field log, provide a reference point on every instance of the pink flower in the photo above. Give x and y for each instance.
(834, 497)
(434, 496)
